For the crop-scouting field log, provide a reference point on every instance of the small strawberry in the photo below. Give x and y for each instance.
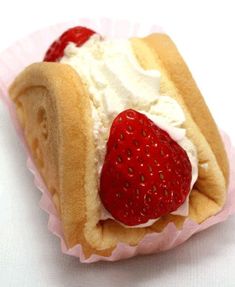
(77, 35)
(145, 174)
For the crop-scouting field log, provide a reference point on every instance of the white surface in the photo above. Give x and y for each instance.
(29, 254)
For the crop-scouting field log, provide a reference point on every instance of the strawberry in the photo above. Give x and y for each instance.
(145, 174)
(77, 35)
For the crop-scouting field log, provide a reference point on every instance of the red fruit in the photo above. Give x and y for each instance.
(77, 35)
(145, 174)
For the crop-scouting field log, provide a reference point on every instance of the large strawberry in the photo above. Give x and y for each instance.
(145, 174)
(77, 35)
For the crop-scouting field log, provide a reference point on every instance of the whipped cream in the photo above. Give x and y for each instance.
(116, 82)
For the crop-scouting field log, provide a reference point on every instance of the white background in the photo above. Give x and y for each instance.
(29, 255)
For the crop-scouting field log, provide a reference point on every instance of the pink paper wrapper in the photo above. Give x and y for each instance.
(31, 49)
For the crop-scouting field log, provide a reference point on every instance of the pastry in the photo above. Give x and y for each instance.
(121, 136)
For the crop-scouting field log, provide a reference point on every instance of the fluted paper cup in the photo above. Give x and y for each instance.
(31, 49)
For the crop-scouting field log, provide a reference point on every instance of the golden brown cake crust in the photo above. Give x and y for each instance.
(50, 100)
(54, 110)
(184, 82)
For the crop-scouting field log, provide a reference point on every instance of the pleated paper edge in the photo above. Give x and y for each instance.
(31, 49)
